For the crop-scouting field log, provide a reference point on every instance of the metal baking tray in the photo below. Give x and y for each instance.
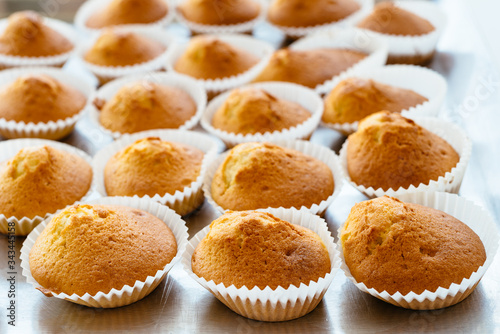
(180, 305)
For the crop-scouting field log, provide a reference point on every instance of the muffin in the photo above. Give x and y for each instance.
(309, 68)
(390, 151)
(120, 12)
(262, 175)
(391, 19)
(210, 58)
(122, 48)
(401, 247)
(41, 180)
(151, 166)
(297, 13)
(225, 12)
(96, 248)
(26, 35)
(145, 105)
(257, 249)
(253, 110)
(39, 98)
(355, 98)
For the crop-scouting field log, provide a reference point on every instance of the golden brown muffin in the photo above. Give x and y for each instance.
(253, 248)
(42, 180)
(299, 13)
(355, 98)
(151, 166)
(121, 48)
(391, 151)
(219, 12)
(388, 18)
(207, 57)
(252, 110)
(394, 246)
(39, 98)
(91, 248)
(144, 106)
(120, 12)
(26, 35)
(262, 175)
(308, 67)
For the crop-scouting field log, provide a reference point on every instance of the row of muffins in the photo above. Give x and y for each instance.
(48, 38)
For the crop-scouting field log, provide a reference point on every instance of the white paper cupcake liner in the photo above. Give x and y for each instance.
(316, 151)
(182, 202)
(295, 32)
(279, 304)
(90, 7)
(8, 149)
(260, 49)
(415, 45)
(424, 81)
(450, 182)
(474, 216)
(238, 28)
(52, 129)
(107, 73)
(128, 294)
(352, 39)
(65, 29)
(184, 82)
(306, 97)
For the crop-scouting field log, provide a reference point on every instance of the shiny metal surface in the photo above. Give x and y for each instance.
(180, 305)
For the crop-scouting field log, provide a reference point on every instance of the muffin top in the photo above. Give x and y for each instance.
(262, 175)
(253, 248)
(208, 57)
(39, 98)
(26, 35)
(297, 13)
(122, 48)
(355, 98)
(119, 12)
(394, 246)
(220, 12)
(42, 180)
(308, 67)
(152, 166)
(252, 110)
(387, 18)
(92, 248)
(391, 151)
(145, 105)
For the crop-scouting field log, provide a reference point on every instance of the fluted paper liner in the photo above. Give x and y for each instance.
(474, 216)
(184, 82)
(295, 32)
(199, 28)
(306, 97)
(316, 151)
(182, 202)
(424, 81)
(128, 294)
(400, 45)
(450, 182)
(8, 149)
(52, 129)
(88, 8)
(258, 48)
(107, 73)
(65, 29)
(351, 39)
(279, 304)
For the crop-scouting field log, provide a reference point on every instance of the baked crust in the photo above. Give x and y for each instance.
(220, 12)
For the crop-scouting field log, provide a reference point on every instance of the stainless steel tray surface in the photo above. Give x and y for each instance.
(180, 305)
